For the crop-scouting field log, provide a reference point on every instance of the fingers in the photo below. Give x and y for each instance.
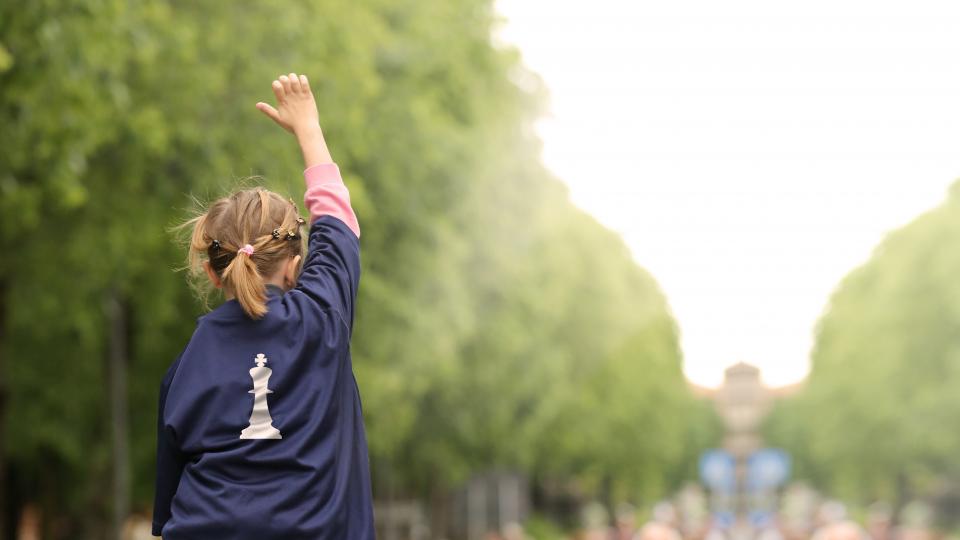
(278, 91)
(294, 83)
(290, 85)
(285, 81)
(269, 111)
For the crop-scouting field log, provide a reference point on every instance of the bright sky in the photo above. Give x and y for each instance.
(750, 152)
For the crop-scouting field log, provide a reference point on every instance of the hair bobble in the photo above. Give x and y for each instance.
(215, 245)
(248, 249)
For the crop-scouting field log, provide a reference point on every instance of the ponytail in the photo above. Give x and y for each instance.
(242, 277)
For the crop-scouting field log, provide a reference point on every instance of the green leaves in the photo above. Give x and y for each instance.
(6, 59)
(497, 325)
(886, 369)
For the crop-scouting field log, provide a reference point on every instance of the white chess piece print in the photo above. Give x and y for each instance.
(261, 424)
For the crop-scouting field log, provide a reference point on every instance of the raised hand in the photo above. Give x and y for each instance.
(296, 109)
(296, 112)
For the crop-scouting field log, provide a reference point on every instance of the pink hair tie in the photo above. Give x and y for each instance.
(248, 249)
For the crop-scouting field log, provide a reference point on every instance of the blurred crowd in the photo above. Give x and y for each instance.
(798, 515)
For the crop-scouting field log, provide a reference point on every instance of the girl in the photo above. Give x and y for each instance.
(260, 431)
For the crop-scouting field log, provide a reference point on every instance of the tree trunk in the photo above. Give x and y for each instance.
(902, 496)
(438, 510)
(6, 527)
(117, 360)
(606, 498)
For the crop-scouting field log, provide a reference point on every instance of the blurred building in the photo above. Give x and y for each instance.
(742, 403)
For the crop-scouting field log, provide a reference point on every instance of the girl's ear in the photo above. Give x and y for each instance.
(291, 271)
(214, 278)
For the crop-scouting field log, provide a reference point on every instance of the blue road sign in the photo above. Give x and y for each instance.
(767, 469)
(718, 470)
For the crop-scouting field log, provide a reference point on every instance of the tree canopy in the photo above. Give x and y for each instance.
(497, 325)
(876, 419)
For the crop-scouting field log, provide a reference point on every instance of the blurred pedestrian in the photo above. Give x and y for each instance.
(830, 512)
(880, 521)
(514, 531)
(841, 530)
(657, 531)
(626, 522)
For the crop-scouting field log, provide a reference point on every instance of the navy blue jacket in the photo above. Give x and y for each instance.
(312, 482)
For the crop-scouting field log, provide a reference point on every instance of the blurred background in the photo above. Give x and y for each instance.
(643, 270)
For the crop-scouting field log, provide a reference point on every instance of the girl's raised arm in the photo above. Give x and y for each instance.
(331, 271)
(297, 113)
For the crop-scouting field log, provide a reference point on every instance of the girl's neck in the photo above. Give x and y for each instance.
(277, 282)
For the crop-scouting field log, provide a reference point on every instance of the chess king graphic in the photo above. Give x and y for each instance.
(261, 424)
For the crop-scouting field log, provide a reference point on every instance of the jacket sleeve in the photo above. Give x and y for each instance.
(170, 461)
(331, 271)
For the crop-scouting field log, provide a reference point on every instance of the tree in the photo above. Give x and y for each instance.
(874, 420)
(492, 313)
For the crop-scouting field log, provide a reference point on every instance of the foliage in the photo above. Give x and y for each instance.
(498, 326)
(876, 417)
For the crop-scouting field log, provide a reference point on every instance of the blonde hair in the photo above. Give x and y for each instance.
(261, 218)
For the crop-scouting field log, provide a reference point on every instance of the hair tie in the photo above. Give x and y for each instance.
(248, 249)
(290, 234)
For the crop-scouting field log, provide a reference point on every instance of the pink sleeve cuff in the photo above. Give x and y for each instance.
(327, 195)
